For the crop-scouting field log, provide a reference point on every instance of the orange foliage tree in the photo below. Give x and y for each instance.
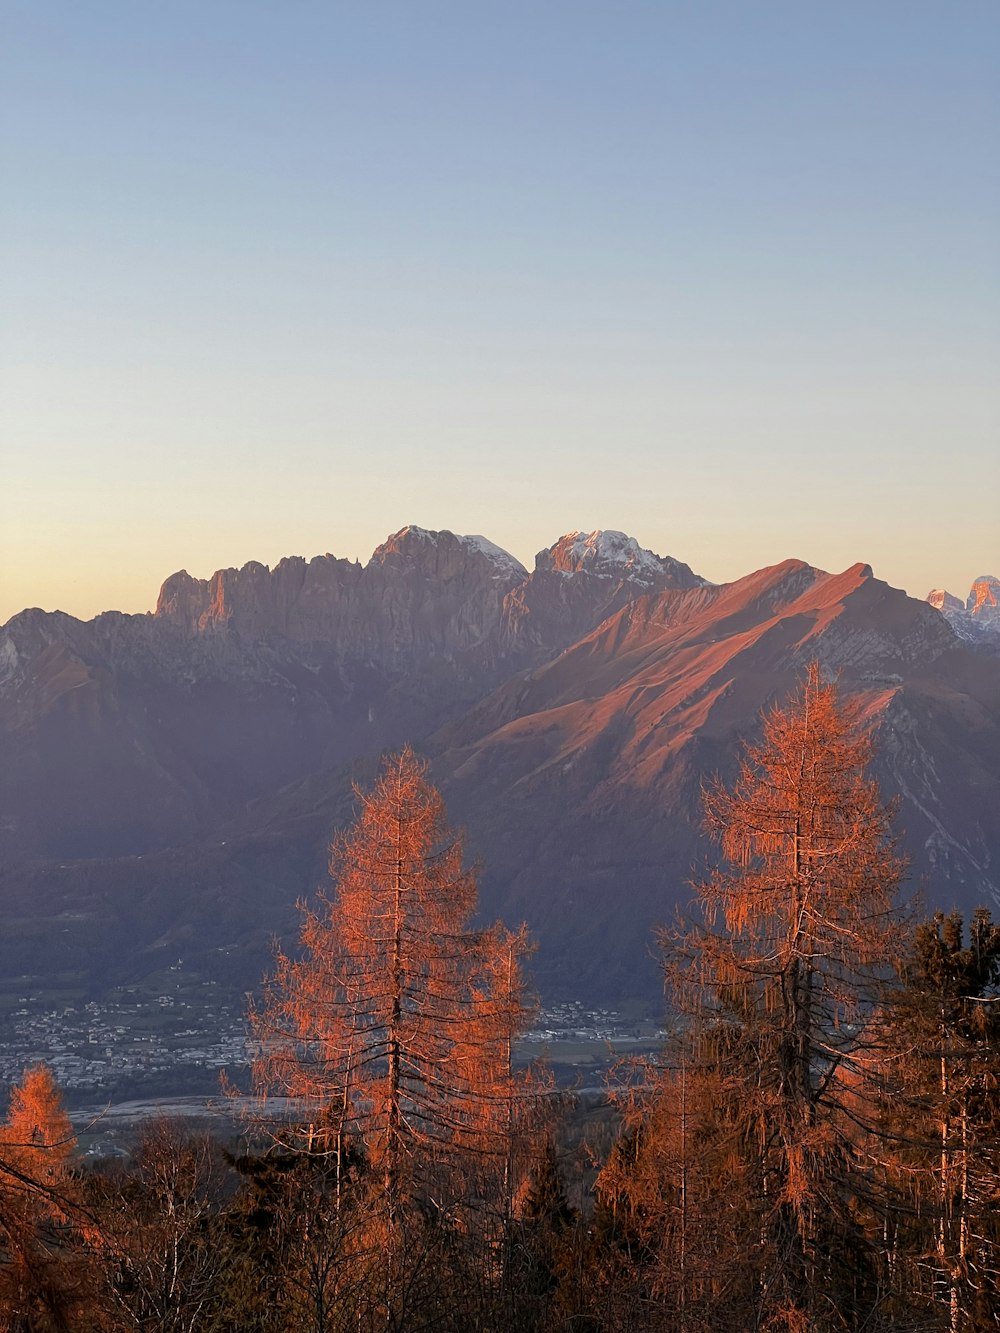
(393, 1026)
(38, 1140)
(784, 978)
(40, 1279)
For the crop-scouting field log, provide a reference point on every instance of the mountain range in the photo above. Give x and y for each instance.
(172, 780)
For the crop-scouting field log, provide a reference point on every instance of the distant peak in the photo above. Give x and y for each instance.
(983, 601)
(416, 542)
(607, 553)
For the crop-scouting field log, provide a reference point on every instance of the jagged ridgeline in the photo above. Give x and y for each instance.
(172, 781)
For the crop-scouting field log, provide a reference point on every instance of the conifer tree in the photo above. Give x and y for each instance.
(677, 1202)
(545, 1216)
(783, 976)
(38, 1139)
(393, 1026)
(944, 1020)
(42, 1280)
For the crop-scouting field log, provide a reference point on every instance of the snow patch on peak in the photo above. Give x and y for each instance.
(607, 553)
(413, 530)
(506, 564)
(608, 547)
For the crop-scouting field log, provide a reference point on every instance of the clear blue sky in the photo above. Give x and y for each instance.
(278, 278)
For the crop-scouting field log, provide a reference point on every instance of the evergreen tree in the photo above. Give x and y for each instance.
(944, 1020)
(544, 1219)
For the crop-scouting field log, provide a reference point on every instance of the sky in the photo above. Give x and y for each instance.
(281, 278)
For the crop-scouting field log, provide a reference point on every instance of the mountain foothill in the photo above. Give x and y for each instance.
(173, 780)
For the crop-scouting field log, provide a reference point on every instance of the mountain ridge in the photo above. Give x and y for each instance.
(570, 724)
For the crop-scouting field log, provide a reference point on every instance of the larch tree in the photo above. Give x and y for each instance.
(37, 1140)
(393, 1026)
(783, 977)
(41, 1278)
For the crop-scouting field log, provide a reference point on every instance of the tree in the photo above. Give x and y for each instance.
(944, 1017)
(542, 1241)
(784, 976)
(161, 1266)
(289, 1257)
(394, 1025)
(676, 1197)
(38, 1140)
(42, 1279)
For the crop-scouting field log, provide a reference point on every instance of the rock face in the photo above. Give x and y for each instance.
(420, 593)
(173, 780)
(977, 619)
(984, 597)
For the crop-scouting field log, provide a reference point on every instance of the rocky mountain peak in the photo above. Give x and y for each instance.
(942, 600)
(608, 554)
(984, 596)
(421, 593)
(182, 598)
(435, 552)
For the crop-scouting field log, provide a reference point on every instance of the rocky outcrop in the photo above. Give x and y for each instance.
(425, 594)
(615, 556)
